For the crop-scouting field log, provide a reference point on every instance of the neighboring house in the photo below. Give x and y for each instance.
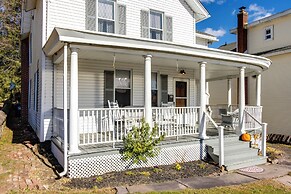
(269, 37)
(79, 55)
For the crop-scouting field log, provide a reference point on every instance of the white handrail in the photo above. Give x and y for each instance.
(221, 139)
(264, 133)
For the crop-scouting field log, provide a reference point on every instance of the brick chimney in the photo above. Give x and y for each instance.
(242, 21)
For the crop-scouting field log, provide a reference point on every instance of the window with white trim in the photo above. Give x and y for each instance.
(106, 16)
(155, 25)
(269, 35)
(117, 87)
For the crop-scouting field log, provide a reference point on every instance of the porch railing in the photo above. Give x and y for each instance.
(250, 123)
(253, 112)
(105, 125)
(176, 121)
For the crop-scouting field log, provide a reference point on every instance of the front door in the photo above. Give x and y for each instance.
(181, 96)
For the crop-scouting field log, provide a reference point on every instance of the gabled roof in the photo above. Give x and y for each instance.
(263, 20)
(200, 12)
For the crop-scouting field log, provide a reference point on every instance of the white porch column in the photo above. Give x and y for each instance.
(74, 133)
(229, 94)
(242, 100)
(148, 88)
(259, 89)
(202, 116)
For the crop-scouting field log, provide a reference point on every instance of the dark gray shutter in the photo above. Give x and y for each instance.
(121, 19)
(168, 28)
(144, 23)
(164, 88)
(91, 14)
(108, 86)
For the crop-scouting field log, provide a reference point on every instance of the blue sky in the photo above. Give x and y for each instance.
(223, 15)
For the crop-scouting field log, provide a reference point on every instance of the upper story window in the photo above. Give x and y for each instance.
(155, 25)
(269, 33)
(106, 16)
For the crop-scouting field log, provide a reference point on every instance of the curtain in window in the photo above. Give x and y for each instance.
(156, 20)
(122, 79)
(106, 9)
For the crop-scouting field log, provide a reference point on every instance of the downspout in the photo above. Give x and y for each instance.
(43, 28)
(65, 104)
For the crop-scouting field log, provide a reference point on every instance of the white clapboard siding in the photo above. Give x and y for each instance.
(66, 14)
(71, 15)
(91, 82)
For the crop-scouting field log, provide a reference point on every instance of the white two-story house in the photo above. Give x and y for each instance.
(82, 55)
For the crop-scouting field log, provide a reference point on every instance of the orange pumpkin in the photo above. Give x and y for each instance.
(246, 137)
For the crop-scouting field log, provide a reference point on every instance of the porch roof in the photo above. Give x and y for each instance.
(221, 64)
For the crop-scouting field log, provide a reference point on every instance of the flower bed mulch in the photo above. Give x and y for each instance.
(146, 175)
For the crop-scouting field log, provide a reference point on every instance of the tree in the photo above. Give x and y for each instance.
(10, 15)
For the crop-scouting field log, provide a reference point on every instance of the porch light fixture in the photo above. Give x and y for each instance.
(182, 72)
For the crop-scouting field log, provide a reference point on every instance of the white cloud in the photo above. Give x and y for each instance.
(219, 2)
(218, 33)
(233, 12)
(257, 12)
(207, 1)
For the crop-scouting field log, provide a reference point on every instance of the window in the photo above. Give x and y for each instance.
(122, 87)
(154, 90)
(35, 97)
(155, 25)
(118, 87)
(269, 33)
(30, 48)
(107, 15)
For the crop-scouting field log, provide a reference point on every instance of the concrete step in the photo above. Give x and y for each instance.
(238, 154)
(246, 163)
(231, 146)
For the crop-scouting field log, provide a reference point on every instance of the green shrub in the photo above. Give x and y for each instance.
(140, 143)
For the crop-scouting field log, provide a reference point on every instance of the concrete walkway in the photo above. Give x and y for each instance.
(276, 172)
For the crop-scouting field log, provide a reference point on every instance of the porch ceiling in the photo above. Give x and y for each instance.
(97, 46)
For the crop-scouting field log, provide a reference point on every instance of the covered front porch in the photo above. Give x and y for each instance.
(163, 83)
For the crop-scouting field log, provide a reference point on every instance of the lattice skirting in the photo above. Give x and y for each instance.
(86, 166)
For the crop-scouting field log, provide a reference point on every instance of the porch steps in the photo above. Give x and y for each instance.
(238, 154)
